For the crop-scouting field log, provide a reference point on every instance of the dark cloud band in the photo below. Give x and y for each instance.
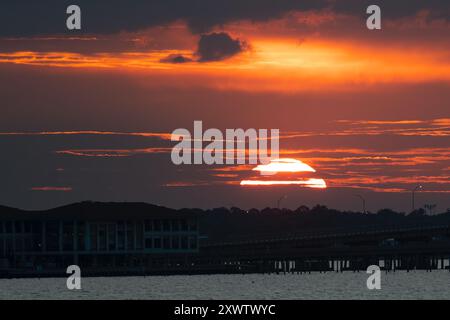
(30, 17)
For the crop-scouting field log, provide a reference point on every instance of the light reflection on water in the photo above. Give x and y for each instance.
(331, 285)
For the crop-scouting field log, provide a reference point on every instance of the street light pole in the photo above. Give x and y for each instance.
(363, 202)
(413, 195)
(279, 201)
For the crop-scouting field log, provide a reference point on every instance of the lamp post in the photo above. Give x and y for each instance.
(413, 194)
(363, 202)
(279, 201)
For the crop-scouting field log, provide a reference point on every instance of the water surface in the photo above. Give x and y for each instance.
(331, 285)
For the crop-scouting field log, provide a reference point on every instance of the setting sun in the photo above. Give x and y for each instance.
(285, 166)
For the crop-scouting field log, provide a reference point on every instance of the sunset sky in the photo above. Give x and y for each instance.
(87, 115)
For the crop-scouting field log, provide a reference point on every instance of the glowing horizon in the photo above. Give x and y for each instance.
(358, 110)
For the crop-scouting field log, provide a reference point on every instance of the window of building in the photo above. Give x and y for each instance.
(193, 243)
(8, 246)
(184, 225)
(130, 235)
(192, 225)
(166, 225)
(157, 243)
(18, 226)
(166, 242)
(19, 244)
(81, 231)
(102, 237)
(27, 226)
(148, 225)
(37, 242)
(121, 235)
(36, 227)
(175, 225)
(157, 225)
(112, 237)
(175, 242)
(28, 244)
(184, 242)
(52, 235)
(93, 229)
(68, 236)
(139, 235)
(8, 227)
(148, 243)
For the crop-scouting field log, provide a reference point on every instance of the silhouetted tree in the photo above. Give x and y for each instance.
(220, 210)
(319, 208)
(236, 210)
(389, 213)
(302, 209)
(417, 213)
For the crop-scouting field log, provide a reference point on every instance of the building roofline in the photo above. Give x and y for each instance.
(96, 211)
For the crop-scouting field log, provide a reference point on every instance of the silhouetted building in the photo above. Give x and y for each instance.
(95, 235)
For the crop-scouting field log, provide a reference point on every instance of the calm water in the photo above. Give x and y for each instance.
(347, 285)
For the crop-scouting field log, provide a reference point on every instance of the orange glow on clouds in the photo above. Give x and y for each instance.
(271, 65)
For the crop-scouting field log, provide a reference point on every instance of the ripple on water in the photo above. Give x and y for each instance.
(346, 285)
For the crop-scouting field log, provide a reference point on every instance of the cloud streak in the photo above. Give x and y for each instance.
(49, 188)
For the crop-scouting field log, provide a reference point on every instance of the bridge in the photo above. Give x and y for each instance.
(391, 248)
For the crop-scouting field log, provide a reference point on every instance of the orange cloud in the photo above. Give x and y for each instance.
(162, 135)
(112, 152)
(271, 65)
(64, 189)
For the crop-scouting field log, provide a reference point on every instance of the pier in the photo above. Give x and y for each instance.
(407, 248)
